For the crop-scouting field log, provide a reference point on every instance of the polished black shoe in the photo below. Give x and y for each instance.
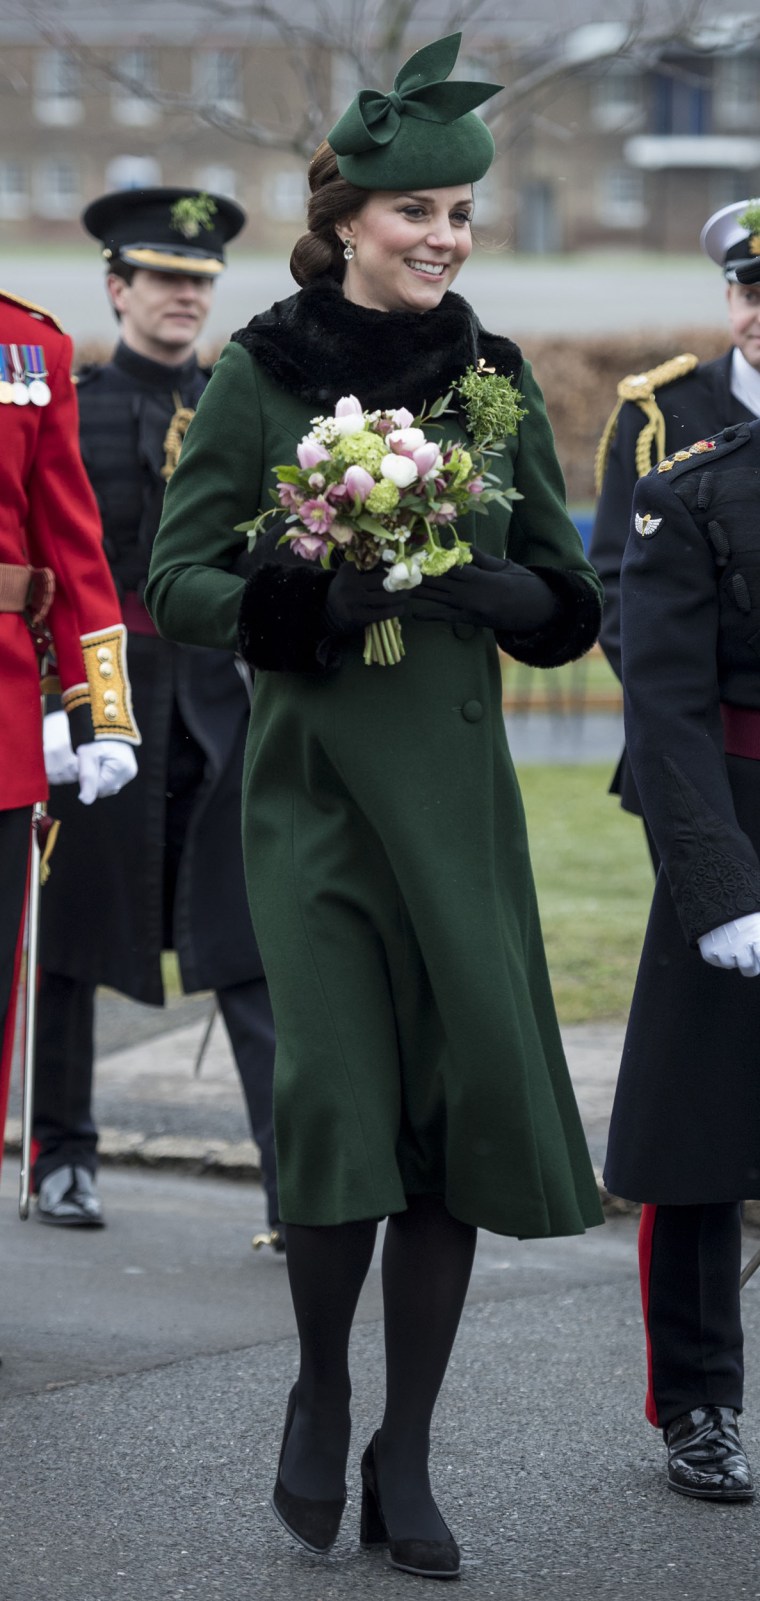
(706, 1457)
(68, 1198)
(429, 1559)
(314, 1524)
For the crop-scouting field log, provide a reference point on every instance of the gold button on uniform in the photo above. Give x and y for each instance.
(104, 654)
(111, 711)
(105, 669)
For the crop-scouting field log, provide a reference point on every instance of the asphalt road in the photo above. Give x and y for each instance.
(517, 295)
(145, 1373)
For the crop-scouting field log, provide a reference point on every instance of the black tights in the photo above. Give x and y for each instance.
(427, 1261)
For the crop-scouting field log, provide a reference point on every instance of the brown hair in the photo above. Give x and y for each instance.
(123, 270)
(319, 252)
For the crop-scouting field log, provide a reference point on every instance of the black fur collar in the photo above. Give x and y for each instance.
(318, 346)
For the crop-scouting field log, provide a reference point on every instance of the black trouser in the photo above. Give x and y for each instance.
(690, 1262)
(63, 1120)
(15, 827)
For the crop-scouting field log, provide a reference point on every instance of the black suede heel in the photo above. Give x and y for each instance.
(313, 1523)
(429, 1559)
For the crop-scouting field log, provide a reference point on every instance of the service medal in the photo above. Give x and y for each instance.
(6, 392)
(19, 393)
(39, 392)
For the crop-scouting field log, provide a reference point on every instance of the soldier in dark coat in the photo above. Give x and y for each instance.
(176, 880)
(685, 1130)
(665, 410)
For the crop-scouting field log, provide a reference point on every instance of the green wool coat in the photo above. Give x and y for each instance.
(387, 862)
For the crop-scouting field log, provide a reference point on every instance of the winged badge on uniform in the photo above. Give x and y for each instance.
(647, 525)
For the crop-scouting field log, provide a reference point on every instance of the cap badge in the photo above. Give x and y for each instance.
(192, 213)
(647, 525)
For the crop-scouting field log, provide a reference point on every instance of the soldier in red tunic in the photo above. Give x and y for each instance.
(54, 580)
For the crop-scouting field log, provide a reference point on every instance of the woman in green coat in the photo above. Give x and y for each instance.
(420, 1073)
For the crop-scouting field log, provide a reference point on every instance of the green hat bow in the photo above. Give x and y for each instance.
(379, 141)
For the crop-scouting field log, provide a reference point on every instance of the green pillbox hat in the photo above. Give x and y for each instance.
(424, 134)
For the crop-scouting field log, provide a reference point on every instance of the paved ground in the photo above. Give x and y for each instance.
(518, 295)
(144, 1382)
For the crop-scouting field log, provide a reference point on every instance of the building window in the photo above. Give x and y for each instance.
(57, 87)
(217, 79)
(14, 191)
(57, 189)
(133, 172)
(285, 196)
(680, 106)
(735, 93)
(217, 181)
(133, 107)
(620, 198)
(616, 99)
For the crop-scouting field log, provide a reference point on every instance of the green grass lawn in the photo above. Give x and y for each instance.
(589, 683)
(594, 881)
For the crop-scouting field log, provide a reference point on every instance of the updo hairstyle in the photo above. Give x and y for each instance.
(319, 252)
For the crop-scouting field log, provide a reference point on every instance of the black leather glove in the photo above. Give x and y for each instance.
(355, 599)
(489, 592)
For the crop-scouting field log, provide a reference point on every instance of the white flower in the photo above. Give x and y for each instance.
(406, 439)
(351, 423)
(403, 575)
(401, 470)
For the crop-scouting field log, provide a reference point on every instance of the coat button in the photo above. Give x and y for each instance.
(472, 711)
(463, 630)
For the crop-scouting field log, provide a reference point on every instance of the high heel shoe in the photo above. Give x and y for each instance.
(430, 1559)
(313, 1523)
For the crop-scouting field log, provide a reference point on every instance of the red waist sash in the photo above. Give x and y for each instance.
(741, 730)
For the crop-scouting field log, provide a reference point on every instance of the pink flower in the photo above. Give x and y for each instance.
(310, 452)
(347, 406)
(477, 486)
(404, 441)
(402, 417)
(445, 514)
(358, 482)
(337, 494)
(426, 458)
(317, 515)
(289, 497)
(309, 546)
(316, 480)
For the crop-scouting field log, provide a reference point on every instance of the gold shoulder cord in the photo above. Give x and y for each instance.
(175, 434)
(641, 388)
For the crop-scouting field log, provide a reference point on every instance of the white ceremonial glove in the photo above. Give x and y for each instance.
(104, 767)
(61, 764)
(735, 944)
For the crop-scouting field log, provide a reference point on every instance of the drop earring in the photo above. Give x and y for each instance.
(348, 250)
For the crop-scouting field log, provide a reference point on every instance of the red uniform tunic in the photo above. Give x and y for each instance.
(49, 519)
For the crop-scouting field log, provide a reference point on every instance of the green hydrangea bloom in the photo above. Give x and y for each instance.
(440, 561)
(360, 450)
(459, 468)
(383, 499)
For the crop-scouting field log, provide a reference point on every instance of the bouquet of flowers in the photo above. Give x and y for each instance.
(372, 486)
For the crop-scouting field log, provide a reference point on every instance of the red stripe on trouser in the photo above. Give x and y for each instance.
(646, 1236)
(9, 1028)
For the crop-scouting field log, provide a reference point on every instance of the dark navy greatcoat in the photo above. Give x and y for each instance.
(686, 1120)
(693, 407)
(103, 908)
